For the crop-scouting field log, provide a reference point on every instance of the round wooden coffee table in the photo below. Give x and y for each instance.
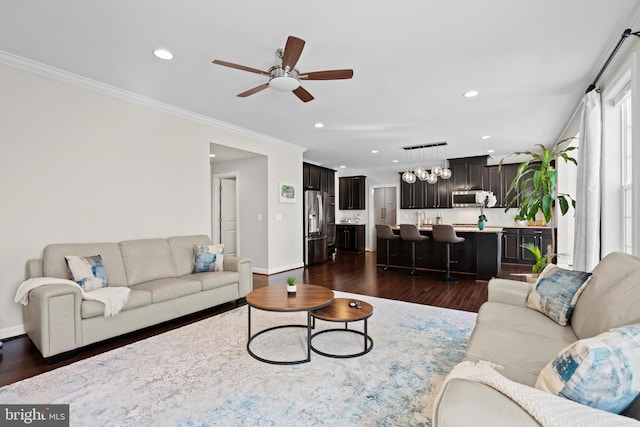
(343, 310)
(276, 298)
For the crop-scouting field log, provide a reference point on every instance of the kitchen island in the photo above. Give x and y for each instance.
(480, 254)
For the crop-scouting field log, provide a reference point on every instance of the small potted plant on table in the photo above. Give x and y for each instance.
(291, 285)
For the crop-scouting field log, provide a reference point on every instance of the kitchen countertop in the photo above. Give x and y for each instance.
(462, 228)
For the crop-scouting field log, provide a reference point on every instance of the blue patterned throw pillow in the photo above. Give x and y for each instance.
(87, 271)
(208, 258)
(556, 292)
(602, 372)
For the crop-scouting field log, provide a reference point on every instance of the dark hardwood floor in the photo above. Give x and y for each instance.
(348, 272)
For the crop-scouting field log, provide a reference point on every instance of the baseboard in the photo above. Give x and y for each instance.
(12, 331)
(269, 271)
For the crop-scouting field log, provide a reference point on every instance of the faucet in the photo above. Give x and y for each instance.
(422, 215)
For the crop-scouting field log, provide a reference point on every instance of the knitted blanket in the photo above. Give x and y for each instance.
(548, 409)
(113, 298)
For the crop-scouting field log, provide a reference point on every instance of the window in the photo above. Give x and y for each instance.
(620, 180)
(626, 151)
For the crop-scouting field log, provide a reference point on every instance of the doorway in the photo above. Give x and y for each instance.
(384, 209)
(225, 213)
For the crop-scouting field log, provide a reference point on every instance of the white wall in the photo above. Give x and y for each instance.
(85, 165)
(252, 201)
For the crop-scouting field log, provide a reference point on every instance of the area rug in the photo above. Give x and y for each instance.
(201, 374)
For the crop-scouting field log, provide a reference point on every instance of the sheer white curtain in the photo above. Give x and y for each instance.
(586, 250)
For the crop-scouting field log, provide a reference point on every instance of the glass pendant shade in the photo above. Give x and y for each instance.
(432, 178)
(437, 170)
(423, 175)
(408, 177)
(418, 171)
(445, 173)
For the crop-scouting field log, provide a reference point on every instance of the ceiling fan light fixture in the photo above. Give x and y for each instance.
(284, 83)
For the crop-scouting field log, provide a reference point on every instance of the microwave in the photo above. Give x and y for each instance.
(464, 199)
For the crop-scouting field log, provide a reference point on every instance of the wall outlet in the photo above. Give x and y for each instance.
(494, 216)
(278, 217)
(259, 217)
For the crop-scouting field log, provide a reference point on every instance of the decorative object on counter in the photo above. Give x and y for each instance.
(540, 173)
(291, 285)
(486, 199)
(520, 221)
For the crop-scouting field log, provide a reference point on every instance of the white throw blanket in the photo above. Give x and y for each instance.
(548, 409)
(113, 298)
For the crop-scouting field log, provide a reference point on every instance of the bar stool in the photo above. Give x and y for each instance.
(384, 232)
(444, 233)
(410, 233)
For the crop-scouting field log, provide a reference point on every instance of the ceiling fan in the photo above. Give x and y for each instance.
(285, 77)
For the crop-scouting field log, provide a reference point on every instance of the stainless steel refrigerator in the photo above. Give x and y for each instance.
(315, 228)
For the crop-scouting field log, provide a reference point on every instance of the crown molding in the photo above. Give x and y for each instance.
(87, 83)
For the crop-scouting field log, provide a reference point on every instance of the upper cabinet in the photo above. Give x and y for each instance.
(422, 195)
(412, 195)
(498, 182)
(352, 193)
(467, 173)
(318, 178)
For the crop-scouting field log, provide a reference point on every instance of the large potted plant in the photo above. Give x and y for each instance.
(536, 187)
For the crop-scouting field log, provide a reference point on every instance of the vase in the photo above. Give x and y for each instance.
(291, 289)
(481, 224)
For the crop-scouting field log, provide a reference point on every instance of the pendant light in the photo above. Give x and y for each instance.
(437, 170)
(421, 172)
(409, 177)
(446, 172)
(432, 178)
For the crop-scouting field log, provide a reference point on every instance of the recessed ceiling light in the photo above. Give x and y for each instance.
(491, 151)
(163, 54)
(318, 125)
(212, 155)
(342, 166)
(374, 151)
(485, 137)
(394, 161)
(470, 94)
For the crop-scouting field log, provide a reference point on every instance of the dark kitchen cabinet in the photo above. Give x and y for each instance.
(438, 195)
(352, 193)
(318, 178)
(513, 238)
(350, 237)
(412, 195)
(498, 182)
(467, 173)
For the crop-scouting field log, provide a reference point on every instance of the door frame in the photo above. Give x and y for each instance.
(370, 244)
(215, 206)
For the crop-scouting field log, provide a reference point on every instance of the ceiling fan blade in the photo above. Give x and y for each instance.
(292, 52)
(303, 94)
(254, 90)
(240, 67)
(327, 75)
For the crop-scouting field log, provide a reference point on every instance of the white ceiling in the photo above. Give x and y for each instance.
(531, 61)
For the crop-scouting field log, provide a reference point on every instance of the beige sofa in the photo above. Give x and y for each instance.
(523, 341)
(159, 273)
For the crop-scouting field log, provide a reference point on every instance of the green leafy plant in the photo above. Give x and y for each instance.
(291, 281)
(536, 181)
(541, 261)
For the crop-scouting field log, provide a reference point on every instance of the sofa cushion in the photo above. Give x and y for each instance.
(88, 272)
(519, 339)
(137, 298)
(208, 258)
(213, 280)
(556, 292)
(55, 265)
(147, 259)
(612, 297)
(602, 372)
(168, 289)
(182, 250)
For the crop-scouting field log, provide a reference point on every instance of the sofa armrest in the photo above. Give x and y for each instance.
(509, 291)
(465, 403)
(242, 266)
(52, 318)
